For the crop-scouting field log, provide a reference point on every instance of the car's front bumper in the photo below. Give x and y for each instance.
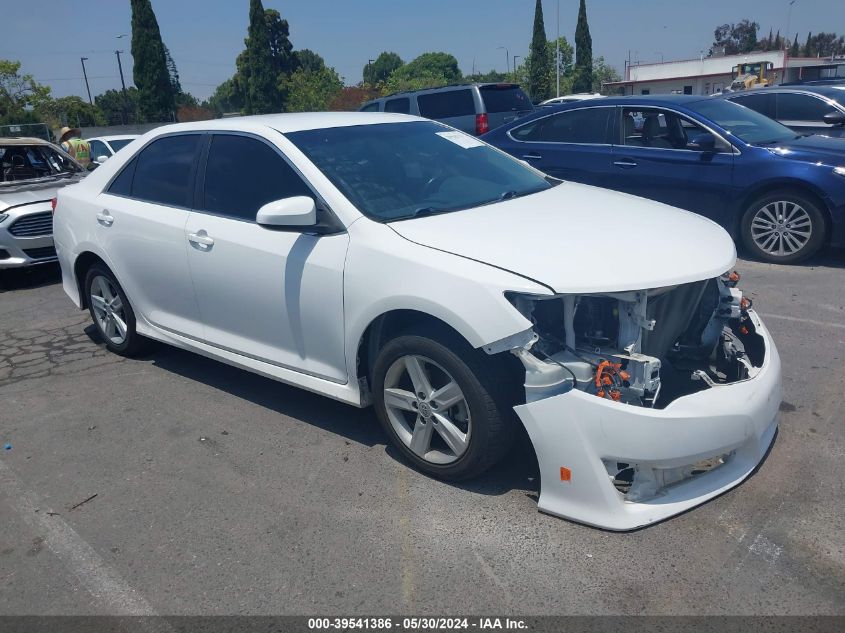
(575, 434)
(24, 249)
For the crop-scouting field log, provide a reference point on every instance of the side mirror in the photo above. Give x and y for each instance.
(288, 212)
(834, 118)
(705, 142)
(102, 159)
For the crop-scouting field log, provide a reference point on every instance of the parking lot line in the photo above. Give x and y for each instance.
(783, 317)
(113, 593)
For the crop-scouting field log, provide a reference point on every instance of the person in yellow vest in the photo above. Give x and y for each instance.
(72, 143)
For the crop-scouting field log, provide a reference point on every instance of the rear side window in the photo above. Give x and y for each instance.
(164, 170)
(370, 107)
(762, 103)
(585, 125)
(450, 103)
(122, 185)
(402, 106)
(243, 174)
(505, 98)
(795, 107)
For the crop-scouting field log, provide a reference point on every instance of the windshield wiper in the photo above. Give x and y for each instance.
(507, 195)
(424, 211)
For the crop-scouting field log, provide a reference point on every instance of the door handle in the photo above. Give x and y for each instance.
(105, 218)
(532, 156)
(625, 163)
(201, 240)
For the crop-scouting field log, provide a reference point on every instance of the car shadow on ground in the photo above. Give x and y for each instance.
(32, 277)
(828, 257)
(517, 471)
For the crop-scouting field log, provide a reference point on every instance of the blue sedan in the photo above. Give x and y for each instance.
(781, 194)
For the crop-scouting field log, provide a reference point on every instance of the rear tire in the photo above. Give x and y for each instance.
(450, 426)
(783, 227)
(112, 313)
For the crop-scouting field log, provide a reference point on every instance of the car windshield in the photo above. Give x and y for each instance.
(744, 123)
(120, 143)
(31, 162)
(396, 171)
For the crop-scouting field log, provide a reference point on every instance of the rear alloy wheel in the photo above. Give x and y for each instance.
(111, 313)
(783, 228)
(436, 406)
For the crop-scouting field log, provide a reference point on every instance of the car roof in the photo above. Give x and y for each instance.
(448, 87)
(113, 137)
(23, 140)
(292, 122)
(639, 100)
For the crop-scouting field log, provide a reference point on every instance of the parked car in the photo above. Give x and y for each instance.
(781, 194)
(104, 147)
(806, 110)
(387, 259)
(31, 172)
(473, 108)
(580, 96)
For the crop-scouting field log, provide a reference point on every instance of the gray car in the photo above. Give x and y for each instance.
(472, 108)
(805, 109)
(31, 172)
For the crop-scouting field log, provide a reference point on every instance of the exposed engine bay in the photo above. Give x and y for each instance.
(644, 348)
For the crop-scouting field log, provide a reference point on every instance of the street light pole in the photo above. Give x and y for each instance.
(788, 20)
(507, 59)
(85, 74)
(514, 66)
(123, 84)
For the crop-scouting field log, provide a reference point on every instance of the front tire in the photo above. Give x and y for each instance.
(436, 406)
(783, 227)
(112, 313)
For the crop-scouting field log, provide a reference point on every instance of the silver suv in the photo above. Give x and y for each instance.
(471, 108)
(31, 172)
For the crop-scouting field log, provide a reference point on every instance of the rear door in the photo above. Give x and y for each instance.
(272, 295)
(504, 103)
(571, 145)
(453, 107)
(653, 159)
(141, 226)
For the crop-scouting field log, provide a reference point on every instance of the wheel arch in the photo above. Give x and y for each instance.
(81, 265)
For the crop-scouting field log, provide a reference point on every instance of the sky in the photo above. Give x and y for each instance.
(205, 36)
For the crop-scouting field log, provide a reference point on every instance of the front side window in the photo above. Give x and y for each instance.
(449, 103)
(164, 170)
(744, 123)
(370, 107)
(396, 171)
(796, 107)
(402, 105)
(118, 144)
(584, 125)
(243, 174)
(762, 102)
(662, 129)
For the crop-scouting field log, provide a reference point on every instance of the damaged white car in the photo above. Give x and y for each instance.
(388, 260)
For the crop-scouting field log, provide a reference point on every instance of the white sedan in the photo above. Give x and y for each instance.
(390, 260)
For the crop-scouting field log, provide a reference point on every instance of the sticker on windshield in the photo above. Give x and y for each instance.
(459, 138)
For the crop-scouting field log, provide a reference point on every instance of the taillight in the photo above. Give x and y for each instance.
(53, 204)
(482, 126)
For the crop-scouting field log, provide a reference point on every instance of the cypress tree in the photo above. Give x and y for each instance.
(149, 72)
(795, 51)
(539, 71)
(583, 80)
(261, 93)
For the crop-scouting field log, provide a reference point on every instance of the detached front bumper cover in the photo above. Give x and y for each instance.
(575, 434)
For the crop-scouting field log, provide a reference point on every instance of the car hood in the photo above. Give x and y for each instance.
(16, 194)
(576, 238)
(815, 148)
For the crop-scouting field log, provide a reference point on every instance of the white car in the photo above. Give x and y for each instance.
(104, 147)
(580, 96)
(390, 260)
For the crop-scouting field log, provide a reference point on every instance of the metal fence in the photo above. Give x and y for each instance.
(37, 130)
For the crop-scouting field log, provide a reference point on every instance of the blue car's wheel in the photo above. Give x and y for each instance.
(783, 227)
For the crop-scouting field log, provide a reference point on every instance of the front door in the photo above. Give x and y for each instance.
(272, 295)
(655, 158)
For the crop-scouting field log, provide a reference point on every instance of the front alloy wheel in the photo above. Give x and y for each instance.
(783, 227)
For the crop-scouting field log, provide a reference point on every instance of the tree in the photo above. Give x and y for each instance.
(18, 94)
(172, 72)
(312, 90)
(603, 73)
(823, 45)
(429, 70)
(71, 111)
(735, 39)
(261, 92)
(489, 77)
(567, 54)
(380, 69)
(307, 59)
(795, 50)
(582, 80)
(113, 105)
(284, 60)
(226, 98)
(150, 72)
(350, 98)
(538, 69)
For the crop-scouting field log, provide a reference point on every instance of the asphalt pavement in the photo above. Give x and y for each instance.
(175, 484)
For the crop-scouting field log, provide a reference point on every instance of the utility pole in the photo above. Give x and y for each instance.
(123, 84)
(514, 66)
(557, 51)
(85, 74)
(786, 38)
(507, 59)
